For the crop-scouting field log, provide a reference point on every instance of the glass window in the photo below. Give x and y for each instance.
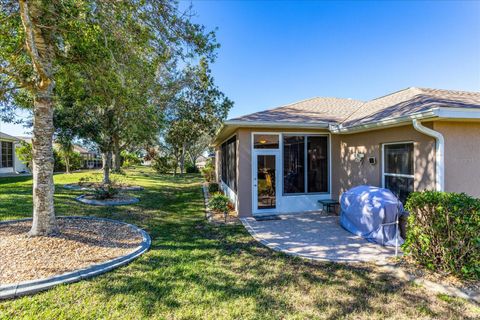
(317, 164)
(265, 141)
(399, 172)
(293, 164)
(399, 158)
(6, 154)
(401, 187)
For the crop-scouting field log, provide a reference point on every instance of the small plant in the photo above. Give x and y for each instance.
(444, 232)
(105, 191)
(213, 187)
(208, 171)
(219, 203)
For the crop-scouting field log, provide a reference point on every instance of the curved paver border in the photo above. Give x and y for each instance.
(109, 203)
(80, 188)
(33, 286)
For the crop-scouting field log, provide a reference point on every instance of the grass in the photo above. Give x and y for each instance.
(198, 271)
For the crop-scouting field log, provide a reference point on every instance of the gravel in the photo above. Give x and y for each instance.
(80, 244)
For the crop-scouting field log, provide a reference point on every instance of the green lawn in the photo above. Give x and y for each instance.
(195, 270)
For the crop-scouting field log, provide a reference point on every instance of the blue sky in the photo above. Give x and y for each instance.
(274, 53)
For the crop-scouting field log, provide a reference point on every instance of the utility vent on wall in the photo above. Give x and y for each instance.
(372, 160)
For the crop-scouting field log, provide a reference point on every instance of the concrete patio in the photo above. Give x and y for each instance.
(316, 236)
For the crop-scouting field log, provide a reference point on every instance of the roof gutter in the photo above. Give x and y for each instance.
(439, 153)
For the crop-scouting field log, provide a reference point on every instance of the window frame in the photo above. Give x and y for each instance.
(305, 159)
(12, 157)
(400, 175)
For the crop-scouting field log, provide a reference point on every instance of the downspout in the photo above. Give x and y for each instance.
(439, 150)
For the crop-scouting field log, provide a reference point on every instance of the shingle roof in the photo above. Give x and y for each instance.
(410, 101)
(314, 110)
(7, 137)
(349, 112)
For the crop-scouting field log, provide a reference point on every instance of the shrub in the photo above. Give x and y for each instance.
(213, 187)
(130, 159)
(208, 171)
(219, 203)
(105, 191)
(191, 168)
(444, 232)
(163, 164)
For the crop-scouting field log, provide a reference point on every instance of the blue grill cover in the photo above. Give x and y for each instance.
(371, 212)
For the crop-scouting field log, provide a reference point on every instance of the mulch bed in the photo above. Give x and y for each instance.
(81, 243)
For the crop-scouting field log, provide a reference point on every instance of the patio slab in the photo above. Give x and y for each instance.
(316, 236)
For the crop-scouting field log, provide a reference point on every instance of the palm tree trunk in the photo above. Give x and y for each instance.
(41, 52)
(44, 222)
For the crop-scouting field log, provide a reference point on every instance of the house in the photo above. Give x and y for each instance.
(90, 159)
(9, 162)
(288, 158)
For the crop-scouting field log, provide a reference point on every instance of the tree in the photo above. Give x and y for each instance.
(47, 43)
(25, 154)
(200, 107)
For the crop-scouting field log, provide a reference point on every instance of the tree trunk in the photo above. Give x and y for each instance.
(67, 164)
(44, 222)
(107, 162)
(182, 160)
(116, 156)
(41, 53)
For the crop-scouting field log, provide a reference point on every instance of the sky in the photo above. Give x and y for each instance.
(277, 52)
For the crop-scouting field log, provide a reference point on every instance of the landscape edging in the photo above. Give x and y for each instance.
(33, 286)
(95, 202)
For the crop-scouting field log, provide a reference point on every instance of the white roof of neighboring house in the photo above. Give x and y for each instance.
(4, 136)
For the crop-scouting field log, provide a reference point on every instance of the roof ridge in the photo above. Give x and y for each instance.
(447, 90)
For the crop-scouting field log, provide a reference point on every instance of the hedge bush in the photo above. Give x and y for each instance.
(444, 232)
(219, 203)
(213, 187)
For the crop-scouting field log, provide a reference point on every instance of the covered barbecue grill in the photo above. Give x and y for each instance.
(372, 213)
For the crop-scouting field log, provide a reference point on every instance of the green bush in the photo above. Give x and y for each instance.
(163, 164)
(130, 159)
(444, 232)
(213, 187)
(191, 168)
(208, 171)
(219, 203)
(105, 191)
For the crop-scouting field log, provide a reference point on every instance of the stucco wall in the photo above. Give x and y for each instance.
(462, 156)
(347, 173)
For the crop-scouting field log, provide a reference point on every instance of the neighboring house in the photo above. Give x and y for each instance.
(286, 159)
(91, 160)
(9, 162)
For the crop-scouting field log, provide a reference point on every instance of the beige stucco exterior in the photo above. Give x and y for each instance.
(347, 173)
(462, 158)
